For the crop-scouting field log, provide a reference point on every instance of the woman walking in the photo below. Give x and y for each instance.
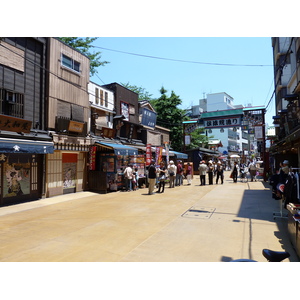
(189, 174)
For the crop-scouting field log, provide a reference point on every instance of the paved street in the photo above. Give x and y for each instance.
(185, 224)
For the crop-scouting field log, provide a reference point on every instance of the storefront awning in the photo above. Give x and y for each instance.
(25, 146)
(180, 155)
(119, 149)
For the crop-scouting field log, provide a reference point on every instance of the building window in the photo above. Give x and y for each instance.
(97, 95)
(106, 99)
(101, 97)
(11, 104)
(70, 63)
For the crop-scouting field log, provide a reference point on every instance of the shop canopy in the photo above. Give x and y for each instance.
(25, 146)
(180, 155)
(119, 149)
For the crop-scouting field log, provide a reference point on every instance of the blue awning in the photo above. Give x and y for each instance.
(180, 155)
(119, 149)
(25, 146)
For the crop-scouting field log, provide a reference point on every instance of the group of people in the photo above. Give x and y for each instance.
(174, 173)
(131, 178)
(212, 169)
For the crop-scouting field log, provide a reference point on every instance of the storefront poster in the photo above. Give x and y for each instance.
(17, 179)
(158, 152)
(69, 165)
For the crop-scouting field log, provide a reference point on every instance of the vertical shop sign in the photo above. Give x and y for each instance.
(92, 164)
(158, 152)
(148, 155)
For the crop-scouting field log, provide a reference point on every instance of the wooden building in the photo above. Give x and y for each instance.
(68, 117)
(24, 142)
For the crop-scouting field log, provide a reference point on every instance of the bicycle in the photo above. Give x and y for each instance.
(270, 255)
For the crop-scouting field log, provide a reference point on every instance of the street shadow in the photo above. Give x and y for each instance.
(258, 204)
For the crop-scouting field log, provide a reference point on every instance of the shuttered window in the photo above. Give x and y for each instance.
(77, 113)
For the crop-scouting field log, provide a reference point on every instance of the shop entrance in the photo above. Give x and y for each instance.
(69, 170)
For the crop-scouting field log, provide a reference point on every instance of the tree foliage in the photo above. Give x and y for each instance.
(170, 116)
(84, 45)
(198, 139)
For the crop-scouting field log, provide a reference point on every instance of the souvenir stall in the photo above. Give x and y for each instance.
(107, 163)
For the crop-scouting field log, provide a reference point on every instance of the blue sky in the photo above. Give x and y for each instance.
(202, 72)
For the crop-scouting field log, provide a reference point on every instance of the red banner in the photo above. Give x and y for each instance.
(92, 165)
(148, 154)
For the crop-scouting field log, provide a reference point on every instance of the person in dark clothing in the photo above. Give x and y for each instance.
(220, 172)
(151, 177)
(235, 172)
(210, 172)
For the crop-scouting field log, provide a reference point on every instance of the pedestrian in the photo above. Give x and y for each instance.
(202, 172)
(235, 171)
(189, 174)
(151, 177)
(162, 176)
(252, 169)
(128, 175)
(135, 180)
(179, 172)
(210, 172)
(172, 170)
(219, 172)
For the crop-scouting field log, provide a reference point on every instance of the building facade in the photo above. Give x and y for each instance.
(24, 142)
(67, 119)
(286, 55)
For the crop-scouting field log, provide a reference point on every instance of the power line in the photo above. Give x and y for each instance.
(183, 61)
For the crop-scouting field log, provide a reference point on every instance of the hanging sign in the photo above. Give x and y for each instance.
(223, 122)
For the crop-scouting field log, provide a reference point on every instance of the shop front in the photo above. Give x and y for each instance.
(107, 162)
(22, 169)
(67, 165)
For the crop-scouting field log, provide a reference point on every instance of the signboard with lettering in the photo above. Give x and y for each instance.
(75, 126)
(222, 122)
(92, 164)
(148, 118)
(14, 124)
(148, 154)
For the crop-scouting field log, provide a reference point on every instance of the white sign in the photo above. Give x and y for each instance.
(224, 122)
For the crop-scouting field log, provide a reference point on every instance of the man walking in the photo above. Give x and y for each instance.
(151, 177)
(202, 172)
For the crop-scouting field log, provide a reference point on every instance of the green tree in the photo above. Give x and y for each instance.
(143, 94)
(170, 116)
(84, 45)
(198, 139)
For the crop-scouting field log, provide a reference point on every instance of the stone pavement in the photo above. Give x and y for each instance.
(185, 224)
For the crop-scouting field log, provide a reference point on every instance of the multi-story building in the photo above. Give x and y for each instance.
(233, 139)
(24, 142)
(67, 118)
(286, 55)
